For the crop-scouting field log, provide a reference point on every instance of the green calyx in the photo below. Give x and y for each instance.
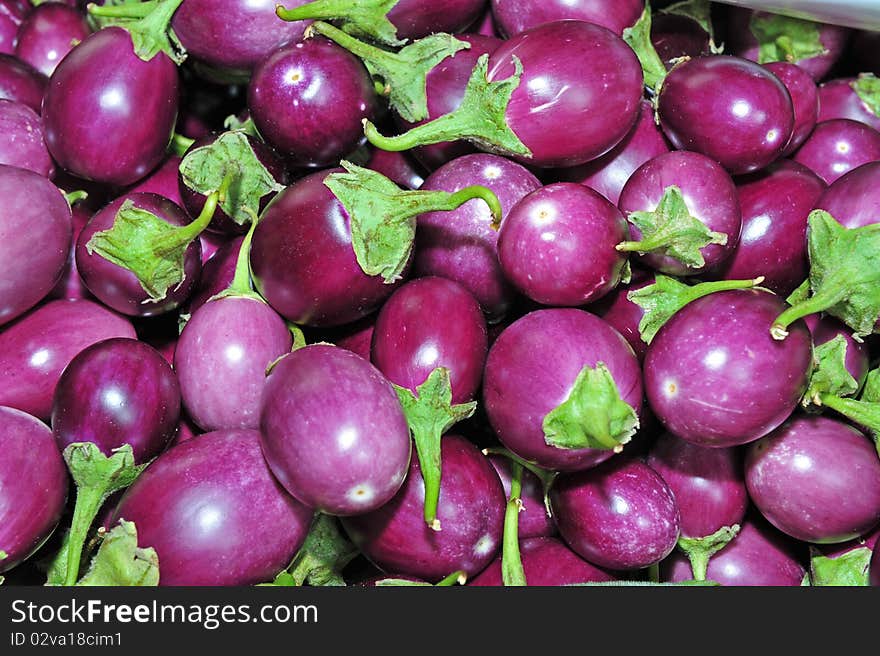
(593, 416)
(865, 411)
(148, 23)
(383, 216)
(666, 296)
(638, 37)
(671, 230)
(700, 550)
(830, 376)
(867, 88)
(844, 276)
(365, 19)
(403, 74)
(481, 118)
(430, 413)
(121, 562)
(850, 569)
(321, 559)
(782, 38)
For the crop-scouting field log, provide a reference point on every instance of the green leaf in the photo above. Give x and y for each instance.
(512, 573)
(638, 37)
(700, 11)
(593, 416)
(323, 556)
(867, 88)
(866, 411)
(481, 118)
(700, 550)
(850, 569)
(204, 170)
(404, 73)
(233, 124)
(671, 230)
(871, 390)
(830, 375)
(365, 19)
(149, 24)
(383, 216)
(844, 276)
(120, 562)
(430, 413)
(661, 300)
(782, 38)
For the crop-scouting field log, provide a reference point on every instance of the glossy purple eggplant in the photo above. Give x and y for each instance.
(221, 360)
(520, 389)
(804, 101)
(546, 561)
(715, 377)
(356, 337)
(854, 198)
(103, 80)
(12, 14)
(303, 262)
(675, 36)
(758, 556)
(33, 485)
(333, 430)
(163, 181)
(838, 99)
(21, 82)
(71, 287)
(816, 479)
(620, 515)
(21, 139)
(119, 288)
(233, 35)
(461, 245)
(515, 16)
(708, 484)
(48, 33)
(217, 273)
(825, 328)
(558, 245)
(609, 173)
(415, 19)
(533, 520)
(36, 349)
(309, 100)
(471, 509)
(838, 146)
(118, 391)
(622, 314)
(733, 110)
(775, 204)
(709, 195)
(408, 343)
(397, 167)
(214, 514)
(35, 233)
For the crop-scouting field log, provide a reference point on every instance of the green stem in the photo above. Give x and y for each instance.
(645, 245)
(317, 11)
(133, 10)
(356, 47)
(449, 127)
(864, 413)
(512, 572)
(180, 144)
(431, 476)
(456, 578)
(654, 573)
(185, 234)
(700, 550)
(826, 298)
(241, 281)
(546, 477)
(74, 197)
(88, 503)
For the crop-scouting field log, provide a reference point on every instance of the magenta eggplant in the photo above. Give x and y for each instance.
(804, 101)
(675, 36)
(21, 139)
(34, 219)
(21, 82)
(217, 273)
(471, 509)
(163, 181)
(816, 479)
(838, 146)
(214, 514)
(48, 33)
(415, 19)
(118, 391)
(854, 198)
(534, 520)
(620, 515)
(715, 377)
(12, 14)
(33, 485)
(622, 314)
(397, 167)
(838, 99)
(515, 16)
(70, 286)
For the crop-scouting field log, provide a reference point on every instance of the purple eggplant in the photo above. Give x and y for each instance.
(163, 181)
(758, 556)
(609, 173)
(21, 139)
(21, 82)
(523, 396)
(218, 273)
(119, 287)
(12, 15)
(396, 538)
(838, 146)
(35, 226)
(816, 479)
(843, 98)
(854, 198)
(804, 101)
(356, 337)
(684, 214)
(214, 514)
(71, 286)
(396, 167)
(546, 561)
(715, 377)
(515, 16)
(675, 36)
(558, 245)
(461, 245)
(309, 100)
(533, 521)
(104, 80)
(622, 314)
(408, 345)
(333, 430)
(48, 33)
(775, 204)
(733, 110)
(118, 391)
(33, 485)
(620, 515)
(36, 349)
